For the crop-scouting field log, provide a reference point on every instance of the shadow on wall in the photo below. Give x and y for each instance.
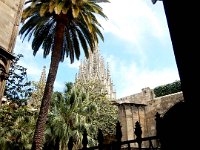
(177, 130)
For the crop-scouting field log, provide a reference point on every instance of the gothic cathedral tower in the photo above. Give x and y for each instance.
(93, 69)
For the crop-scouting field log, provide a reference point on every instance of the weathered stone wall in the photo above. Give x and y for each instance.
(129, 114)
(143, 97)
(10, 11)
(143, 107)
(122, 119)
(160, 105)
(10, 15)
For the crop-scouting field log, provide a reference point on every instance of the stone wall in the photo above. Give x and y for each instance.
(143, 97)
(10, 15)
(10, 11)
(160, 105)
(143, 107)
(129, 114)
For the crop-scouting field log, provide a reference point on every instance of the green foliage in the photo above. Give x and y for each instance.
(37, 94)
(80, 27)
(71, 113)
(105, 116)
(60, 28)
(167, 89)
(16, 127)
(65, 118)
(79, 107)
(17, 88)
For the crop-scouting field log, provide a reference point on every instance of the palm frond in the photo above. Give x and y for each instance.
(27, 12)
(48, 42)
(87, 35)
(52, 5)
(58, 8)
(44, 9)
(29, 27)
(75, 44)
(70, 50)
(42, 31)
(75, 11)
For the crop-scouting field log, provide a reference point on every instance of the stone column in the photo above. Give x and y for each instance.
(142, 120)
(129, 122)
(122, 119)
(136, 117)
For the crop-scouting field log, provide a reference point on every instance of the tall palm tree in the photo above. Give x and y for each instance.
(61, 27)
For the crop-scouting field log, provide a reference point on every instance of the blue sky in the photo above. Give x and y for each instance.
(137, 47)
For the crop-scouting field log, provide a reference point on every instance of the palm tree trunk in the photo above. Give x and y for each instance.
(42, 118)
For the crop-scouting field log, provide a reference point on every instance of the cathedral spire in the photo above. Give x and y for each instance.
(43, 75)
(93, 69)
(108, 69)
(36, 97)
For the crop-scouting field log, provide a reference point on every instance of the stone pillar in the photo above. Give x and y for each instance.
(131, 118)
(136, 117)
(147, 94)
(142, 120)
(129, 122)
(122, 119)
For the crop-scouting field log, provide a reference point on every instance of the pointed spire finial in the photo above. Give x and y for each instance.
(43, 75)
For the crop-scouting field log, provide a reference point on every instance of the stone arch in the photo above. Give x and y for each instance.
(168, 110)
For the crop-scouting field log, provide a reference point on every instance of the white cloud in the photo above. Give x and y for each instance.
(74, 65)
(25, 48)
(34, 67)
(131, 20)
(147, 78)
(59, 86)
(130, 79)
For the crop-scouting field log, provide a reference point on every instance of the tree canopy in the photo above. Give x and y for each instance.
(17, 87)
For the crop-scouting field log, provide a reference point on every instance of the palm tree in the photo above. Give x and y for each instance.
(61, 27)
(68, 117)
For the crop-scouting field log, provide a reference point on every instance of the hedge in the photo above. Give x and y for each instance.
(170, 88)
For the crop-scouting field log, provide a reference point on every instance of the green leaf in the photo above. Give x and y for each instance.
(59, 7)
(74, 2)
(65, 10)
(75, 11)
(52, 5)
(43, 9)
(33, 4)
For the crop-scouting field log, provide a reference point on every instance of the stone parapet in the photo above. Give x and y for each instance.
(138, 98)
